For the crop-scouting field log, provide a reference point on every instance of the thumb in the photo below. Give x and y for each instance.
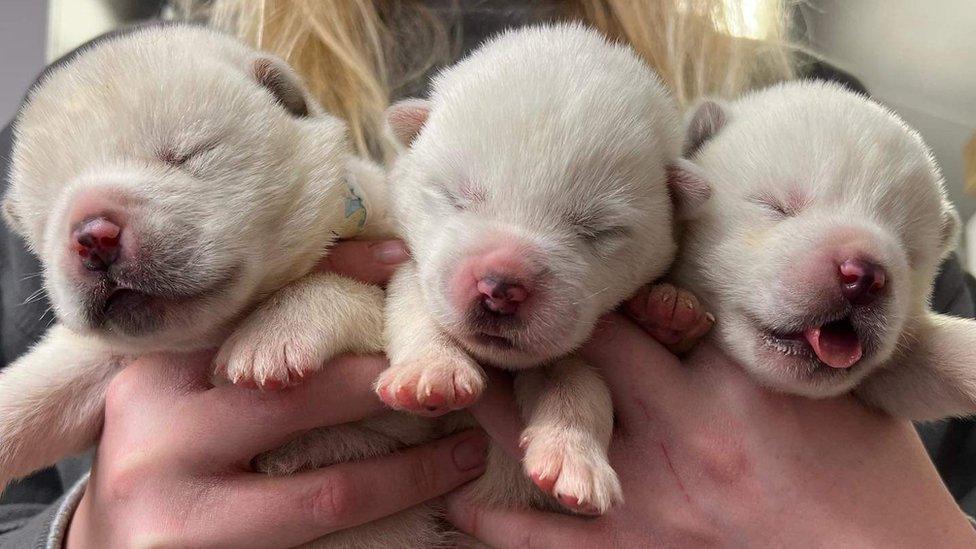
(498, 527)
(372, 262)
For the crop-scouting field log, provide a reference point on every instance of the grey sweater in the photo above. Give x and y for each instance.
(35, 511)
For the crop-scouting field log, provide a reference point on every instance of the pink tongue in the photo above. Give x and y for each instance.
(836, 346)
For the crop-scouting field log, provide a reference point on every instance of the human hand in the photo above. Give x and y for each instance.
(369, 261)
(174, 464)
(706, 456)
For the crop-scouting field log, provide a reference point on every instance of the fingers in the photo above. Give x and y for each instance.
(291, 510)
(497, 412)
(672, 316)
(694, 335)
(640, 372)
(509, 528)
(372, 262)
(254, 421)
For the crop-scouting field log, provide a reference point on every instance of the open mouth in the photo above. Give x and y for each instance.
(495, 341)
(835, 344)
(130, 312)
(124, 299)
(136, 312)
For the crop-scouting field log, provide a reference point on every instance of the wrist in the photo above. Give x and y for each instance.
(894, 501)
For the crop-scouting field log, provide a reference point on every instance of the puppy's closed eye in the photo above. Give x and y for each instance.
(600, 226)
(466, 195)
(173, 158)
(452, 199)
(601, 234)
(176, 158)
(790, 207)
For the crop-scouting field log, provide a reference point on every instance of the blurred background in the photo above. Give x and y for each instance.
(919, 58)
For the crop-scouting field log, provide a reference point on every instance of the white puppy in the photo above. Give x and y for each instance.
(178, 187)
(819, 247)
(536, 195)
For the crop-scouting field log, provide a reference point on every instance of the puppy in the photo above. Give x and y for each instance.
(819, 247)
(535, 195)
(178, 187)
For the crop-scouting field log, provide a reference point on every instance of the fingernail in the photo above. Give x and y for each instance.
(710, 317)
(471, 452)
(390, 252)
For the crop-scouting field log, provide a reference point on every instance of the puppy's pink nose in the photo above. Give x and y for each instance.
(96, 241)
(861, 281)
(501, 297)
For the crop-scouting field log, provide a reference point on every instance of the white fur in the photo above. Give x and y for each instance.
(855, 180)
(555, 142)
(228, 235)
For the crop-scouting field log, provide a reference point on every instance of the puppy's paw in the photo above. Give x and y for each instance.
(269, 358)
(572, 467)
(432, 385)
(671, 315)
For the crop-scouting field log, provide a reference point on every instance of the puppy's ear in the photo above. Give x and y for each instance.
(281, 81)
(950, 226)
(11, 217)
(689, 189)
(406, 118)
(934, 378)
(705, 120)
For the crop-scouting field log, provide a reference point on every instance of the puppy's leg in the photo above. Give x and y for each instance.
(569, 421)
(52, 402)
(428, 373)
(933, 375)
(300, 327)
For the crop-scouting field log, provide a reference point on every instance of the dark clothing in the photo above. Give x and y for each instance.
(29, 509)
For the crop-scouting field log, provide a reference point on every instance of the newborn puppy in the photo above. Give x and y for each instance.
(535, 195)
(178, 187)
(819, 247)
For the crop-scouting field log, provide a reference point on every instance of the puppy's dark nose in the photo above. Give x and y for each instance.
(96, 241)
(501, 297)
(861, 281)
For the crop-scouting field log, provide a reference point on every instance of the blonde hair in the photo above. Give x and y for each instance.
(352, 54)
(701, 47)
(356, 54)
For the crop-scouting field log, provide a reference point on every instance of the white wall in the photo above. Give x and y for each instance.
(74, 22)
(23, 25)
(918, 57)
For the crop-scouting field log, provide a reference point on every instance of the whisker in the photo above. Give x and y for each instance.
(33, 297)
(594, 294)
